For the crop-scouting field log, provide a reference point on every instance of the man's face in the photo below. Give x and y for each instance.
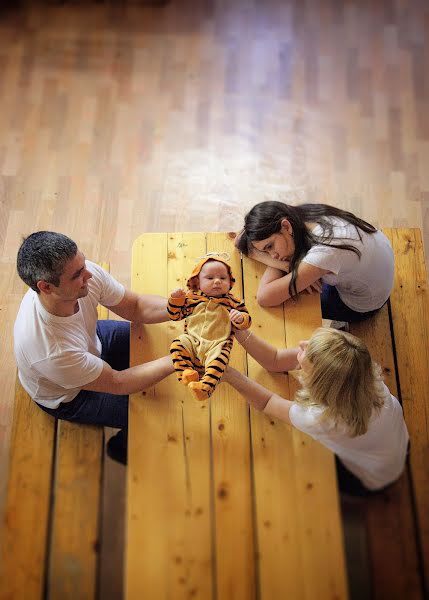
(74, 280)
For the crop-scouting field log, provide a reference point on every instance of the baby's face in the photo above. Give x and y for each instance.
(214, 279)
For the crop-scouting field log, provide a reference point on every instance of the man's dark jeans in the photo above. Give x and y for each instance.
(101, 408)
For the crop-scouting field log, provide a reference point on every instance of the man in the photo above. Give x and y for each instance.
(72, 365)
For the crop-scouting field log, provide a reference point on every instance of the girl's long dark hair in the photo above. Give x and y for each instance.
(265, 219)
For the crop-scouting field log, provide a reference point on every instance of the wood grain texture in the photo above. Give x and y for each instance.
(393, 551)
(214, 517)
(410, 311)
(26, 517)
(74, 545)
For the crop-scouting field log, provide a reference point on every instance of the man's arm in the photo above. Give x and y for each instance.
(258, 396)
(141, 308)
(134, 379)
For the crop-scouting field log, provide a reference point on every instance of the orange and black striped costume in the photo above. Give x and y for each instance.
(201, 354)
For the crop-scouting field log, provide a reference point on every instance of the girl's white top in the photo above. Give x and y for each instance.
(364, 283)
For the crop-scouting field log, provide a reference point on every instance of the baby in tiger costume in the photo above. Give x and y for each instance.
(211, 313)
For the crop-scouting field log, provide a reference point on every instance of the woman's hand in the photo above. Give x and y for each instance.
(235, 317)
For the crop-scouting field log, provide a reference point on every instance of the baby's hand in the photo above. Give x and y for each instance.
(179, 293)
(235, 316)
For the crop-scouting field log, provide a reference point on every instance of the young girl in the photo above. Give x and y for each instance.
(316, 243)
(343, 404)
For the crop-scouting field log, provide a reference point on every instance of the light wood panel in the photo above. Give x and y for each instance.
(213, 516)
(25, 531)
(232, 485)
(412, 343)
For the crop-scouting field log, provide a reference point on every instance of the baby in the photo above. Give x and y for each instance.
(211, 313)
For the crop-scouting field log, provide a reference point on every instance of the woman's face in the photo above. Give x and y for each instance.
(303, 362)
(281, 245)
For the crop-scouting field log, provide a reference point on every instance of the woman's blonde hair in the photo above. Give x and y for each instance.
(342, 378)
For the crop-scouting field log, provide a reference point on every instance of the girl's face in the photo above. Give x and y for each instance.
(281, 245)
(214, 279)
(303, 362)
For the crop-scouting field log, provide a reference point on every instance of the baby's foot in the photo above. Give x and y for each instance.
(189, 375)
(198, 391)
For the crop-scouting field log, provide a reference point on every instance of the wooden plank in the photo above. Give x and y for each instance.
(318, 514)
(76, 507)
(393, 553)
(195, 548)
(27, 506)
(169, 478)
(75, 520)
(157, 484)
(280, 572)
(294, 476)
(410, 315)
(145, 534)
(232, 493)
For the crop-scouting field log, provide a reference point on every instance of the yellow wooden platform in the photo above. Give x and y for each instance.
(224, 502)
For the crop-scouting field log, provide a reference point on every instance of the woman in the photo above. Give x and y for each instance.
(343, 404)
(317, 247)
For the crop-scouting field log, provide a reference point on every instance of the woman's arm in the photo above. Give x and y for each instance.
(266, 355)
(274, 285)
(258, 396)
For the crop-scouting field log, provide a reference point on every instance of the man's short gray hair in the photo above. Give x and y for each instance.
(42, 257)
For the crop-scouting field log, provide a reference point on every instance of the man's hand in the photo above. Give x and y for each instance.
(179, 293)
(235, 317)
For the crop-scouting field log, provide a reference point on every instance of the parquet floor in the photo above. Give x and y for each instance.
(122, 117)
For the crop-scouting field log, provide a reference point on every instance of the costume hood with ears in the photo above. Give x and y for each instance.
(192, 282)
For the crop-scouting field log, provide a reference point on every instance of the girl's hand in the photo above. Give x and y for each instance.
(315, 287)
(179, 293)
(235, 316)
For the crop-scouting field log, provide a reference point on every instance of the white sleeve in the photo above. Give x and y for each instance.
(305, 418)
(110, 291)
(70, 369)
(325, 257)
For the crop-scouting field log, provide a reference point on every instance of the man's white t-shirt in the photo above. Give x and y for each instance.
(377, 457)
(57, 356)
(364, 283)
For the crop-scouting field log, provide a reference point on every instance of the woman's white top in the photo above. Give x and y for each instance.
(364, 283)
(377, 457)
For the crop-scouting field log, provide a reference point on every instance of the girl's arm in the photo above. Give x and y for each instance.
(266, 355)
(258, 396)
(274, 285)
(266, 259)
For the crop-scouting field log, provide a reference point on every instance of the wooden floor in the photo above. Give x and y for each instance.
(118, 118)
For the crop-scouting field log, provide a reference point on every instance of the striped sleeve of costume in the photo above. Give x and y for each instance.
(176, 308)
(241, 307)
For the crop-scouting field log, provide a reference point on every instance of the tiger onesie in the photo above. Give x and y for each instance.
(201, 354)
